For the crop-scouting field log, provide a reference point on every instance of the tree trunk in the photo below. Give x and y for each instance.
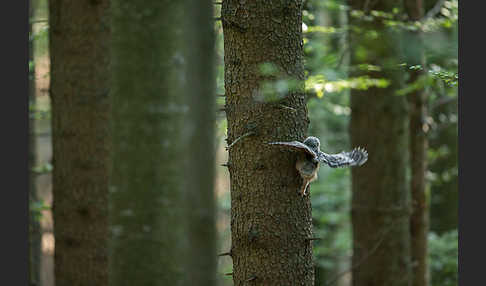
(199, 133)
(161, 190)
(380, 201)
(270, 223)
(419, 220)
(34, 224)
(78, 40)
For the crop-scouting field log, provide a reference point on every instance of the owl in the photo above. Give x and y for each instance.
(310, 156)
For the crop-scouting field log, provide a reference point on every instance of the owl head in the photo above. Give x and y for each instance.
(313, 143)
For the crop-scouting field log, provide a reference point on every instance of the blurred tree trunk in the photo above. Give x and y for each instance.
(444, 189)
(419, 220)
(78, 41)
(381, 200)
(161, 191)
(270, 223)
(199, 141)
(35, 235)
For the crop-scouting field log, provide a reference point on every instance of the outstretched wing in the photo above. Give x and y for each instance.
(296, 146)
(357, 157)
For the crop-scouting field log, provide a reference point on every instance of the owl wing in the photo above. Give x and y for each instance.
(296, 146)
(357, 157)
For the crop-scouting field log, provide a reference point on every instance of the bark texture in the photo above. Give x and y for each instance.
(380, 200)
(270, 223)
(161, 190)
(78, 40)
(419, 220)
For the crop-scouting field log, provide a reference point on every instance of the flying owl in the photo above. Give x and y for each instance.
(310, 157)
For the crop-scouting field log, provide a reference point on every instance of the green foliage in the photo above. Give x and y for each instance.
(36, 208)
(331, 193)
(443, 257)
(36, 112)
(268, 69)
(274, 90)
(31, 66)
(319, 85)
(448, 77)
(326, 50)
(42, 169)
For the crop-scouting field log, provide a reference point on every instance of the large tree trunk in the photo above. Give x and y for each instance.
(381, 201)
(419, 220)
(78, 39)
(34, 224)
(270, 223)
(161, 198)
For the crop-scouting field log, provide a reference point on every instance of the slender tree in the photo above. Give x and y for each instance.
(380, 200)
(34, 224)
(161, 198)
(419, 220)
(271, 224)
(78, 41)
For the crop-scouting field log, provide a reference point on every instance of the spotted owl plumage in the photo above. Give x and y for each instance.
(310, 157)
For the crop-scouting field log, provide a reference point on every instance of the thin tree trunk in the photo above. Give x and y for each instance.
(381, 200)
(419, 221)
(34, 224)
(161, 198)
(270, 223)
(78, 42)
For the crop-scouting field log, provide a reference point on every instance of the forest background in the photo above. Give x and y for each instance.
(328, 86)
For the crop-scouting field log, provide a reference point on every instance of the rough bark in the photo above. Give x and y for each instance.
(419, 220)
(380, 200)
(270, 223)
(78, 38)
(34, 224)
(161, 190)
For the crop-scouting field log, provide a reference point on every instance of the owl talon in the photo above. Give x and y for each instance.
(304, 189)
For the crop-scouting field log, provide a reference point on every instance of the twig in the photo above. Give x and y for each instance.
(226, 165)
(239, 138)
(313, 238)
(229, 273)
(218, 3)
(225, 253)
(217, 19)
(287, 107)
(342, 56)
(253, 277)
